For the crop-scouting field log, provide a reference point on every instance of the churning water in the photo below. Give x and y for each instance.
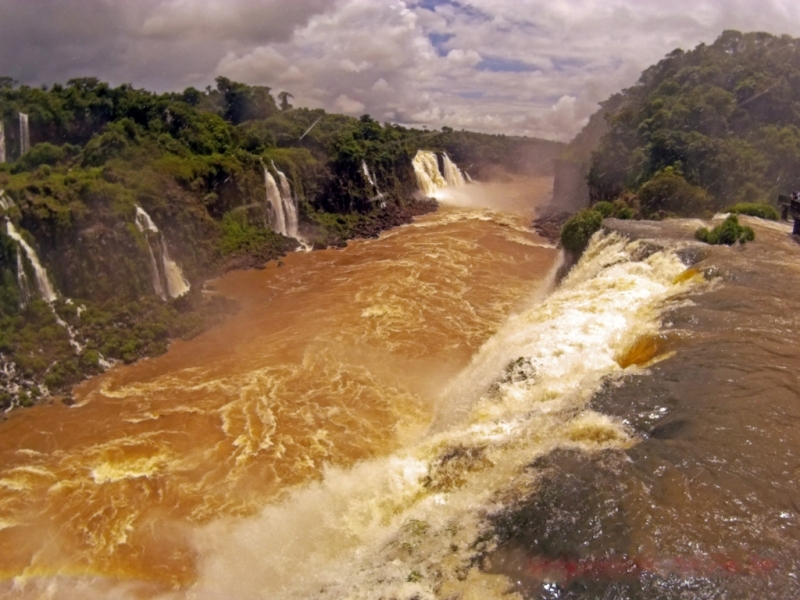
(420, 416)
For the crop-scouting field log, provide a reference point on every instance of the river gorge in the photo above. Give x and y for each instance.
(429, 415)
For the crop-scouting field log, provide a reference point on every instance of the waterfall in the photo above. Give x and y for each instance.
(2, 142)
(426, 169)
(168, 277)
(5, 203)
(371, 180)
(452, 174)
(367, 174)
(42, 282)
(277, 220)
(22, 283)
(287, 201)
(24, 134)
(429, 179)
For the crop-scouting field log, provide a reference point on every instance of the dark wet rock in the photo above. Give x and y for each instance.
(392, 215)
(549, 224)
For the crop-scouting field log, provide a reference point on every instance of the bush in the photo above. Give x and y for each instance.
(576, 232)
(754, 209)
(44, 153)
(605, 208)
(670, 193)
(728, 232)
(618, 209)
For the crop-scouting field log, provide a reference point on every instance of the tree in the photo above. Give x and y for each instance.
(243, 102)
(284, 98)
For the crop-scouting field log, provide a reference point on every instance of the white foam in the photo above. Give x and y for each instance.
(407, 525)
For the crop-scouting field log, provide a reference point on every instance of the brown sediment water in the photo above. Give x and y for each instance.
(336, 357)
(411, 419)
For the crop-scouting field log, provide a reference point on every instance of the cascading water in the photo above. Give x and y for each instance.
(289, 207)
(367, 174)
(42, 281)
(2, 142)
(452, 174)
(277, 219)
(46, 289)
(5, 203)
(168, 277)
(371, 180)
(426, 169)
(22, 283)
(24, 134)
(429, 179)
(411, 525)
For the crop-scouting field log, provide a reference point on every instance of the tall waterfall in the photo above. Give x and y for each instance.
(367, 174)
(46, 289)
(289, 206)
(42, 282)
(168, 277)
(426, 168)
(22, 283)
(2, 142)
(24, 134)
(277, 220)
(282, 208)
(371, 179)
(429, 179)
(452, 174)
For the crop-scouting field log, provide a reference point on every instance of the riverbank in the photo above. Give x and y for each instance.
(147, 330)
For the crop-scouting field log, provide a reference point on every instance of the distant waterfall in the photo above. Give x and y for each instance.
(2, 143)
(452, 174)
(24, 134)
(371, 180)
(426, 168)
(277, 220)
(168, 277)
(22, 283)
(429, 179)
(367, 174)
(289, 206)
(282, 208)
(42, 282)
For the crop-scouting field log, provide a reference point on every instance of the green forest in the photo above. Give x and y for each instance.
(705, 129)
(194, 161)
(713, 129)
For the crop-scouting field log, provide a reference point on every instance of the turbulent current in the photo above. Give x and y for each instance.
(426, 415)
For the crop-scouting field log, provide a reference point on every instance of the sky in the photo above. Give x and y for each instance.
(536, 68)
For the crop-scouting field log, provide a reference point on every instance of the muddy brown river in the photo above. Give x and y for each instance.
(426, 415)
(335, 357)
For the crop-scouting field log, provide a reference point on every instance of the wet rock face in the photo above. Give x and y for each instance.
(549, 225)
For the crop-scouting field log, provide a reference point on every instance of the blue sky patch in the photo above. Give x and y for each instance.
(439, 40)
(565, 63)
(505, 65)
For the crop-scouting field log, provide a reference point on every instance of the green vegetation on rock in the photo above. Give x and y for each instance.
(728, 232)
(754, 209)
(578, 230)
